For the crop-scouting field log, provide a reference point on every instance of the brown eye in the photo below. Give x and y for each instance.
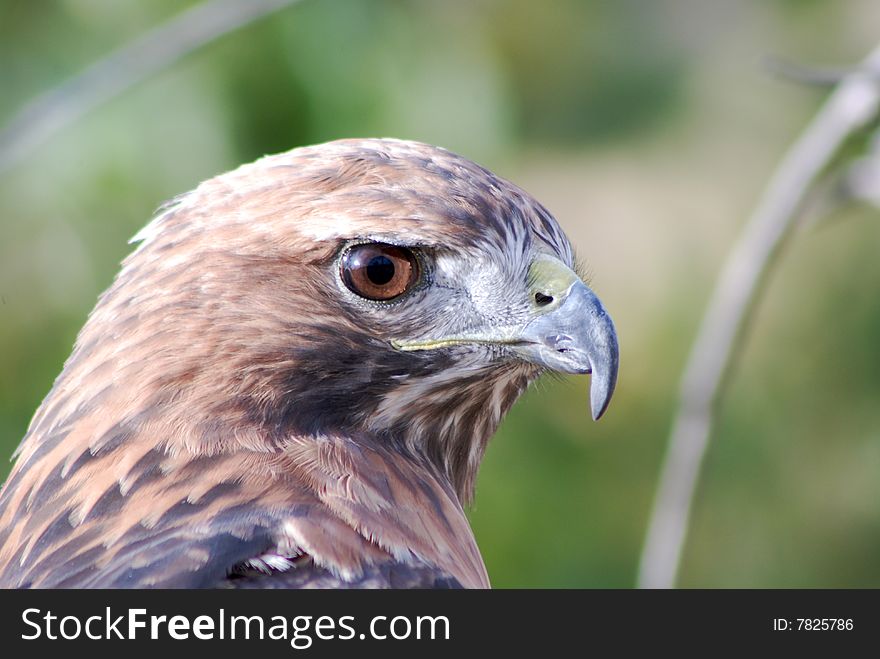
(378, 271)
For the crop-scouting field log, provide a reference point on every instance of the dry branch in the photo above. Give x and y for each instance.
(852, 105)
(137, 60)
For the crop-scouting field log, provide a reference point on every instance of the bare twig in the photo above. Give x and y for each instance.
(851, 106)
(134, 62)
(814, 75)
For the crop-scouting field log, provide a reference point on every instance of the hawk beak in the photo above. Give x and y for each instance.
(568, 331)
(571, 331)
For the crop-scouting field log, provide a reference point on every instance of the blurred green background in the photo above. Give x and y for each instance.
(649, 128)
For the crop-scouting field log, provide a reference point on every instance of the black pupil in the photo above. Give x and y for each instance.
(380, 270)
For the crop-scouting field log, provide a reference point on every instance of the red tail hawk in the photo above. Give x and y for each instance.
(293, 378)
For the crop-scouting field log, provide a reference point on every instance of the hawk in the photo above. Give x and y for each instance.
(292, 380)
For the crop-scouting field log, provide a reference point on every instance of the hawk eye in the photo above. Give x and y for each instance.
(378, 271)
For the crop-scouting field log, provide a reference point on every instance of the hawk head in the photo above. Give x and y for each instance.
(385, 300)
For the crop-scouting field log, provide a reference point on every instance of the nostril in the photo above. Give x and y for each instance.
(561, 343)
(543, 300)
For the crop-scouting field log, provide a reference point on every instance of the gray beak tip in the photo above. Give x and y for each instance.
(604, 362)
(602, 383)
(599, 401)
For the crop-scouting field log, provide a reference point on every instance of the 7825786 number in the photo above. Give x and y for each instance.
(824, 624)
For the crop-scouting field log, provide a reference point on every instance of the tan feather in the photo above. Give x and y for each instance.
(187, 432)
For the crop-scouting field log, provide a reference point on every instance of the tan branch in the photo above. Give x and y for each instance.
(852, 105)
(137, 60)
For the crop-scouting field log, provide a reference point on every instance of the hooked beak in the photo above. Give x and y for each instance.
(577, 336)
(567, 330)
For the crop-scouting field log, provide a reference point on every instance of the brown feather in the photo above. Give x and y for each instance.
(187, 432)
